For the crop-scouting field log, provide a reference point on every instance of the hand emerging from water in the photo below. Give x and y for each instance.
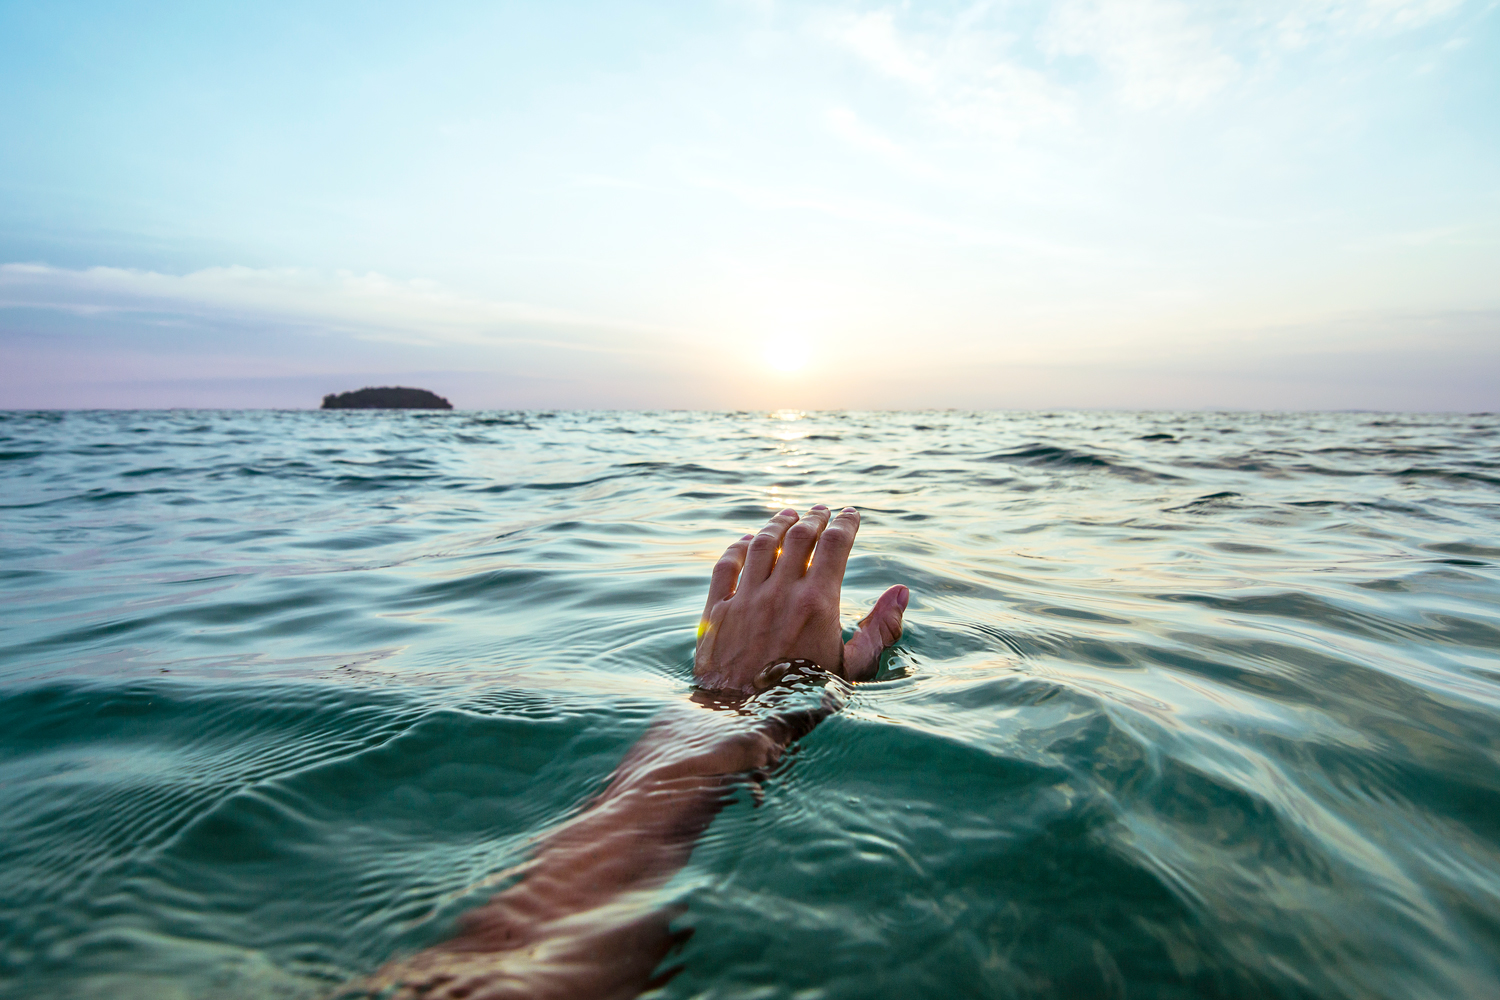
(775, 596)
(580, 923)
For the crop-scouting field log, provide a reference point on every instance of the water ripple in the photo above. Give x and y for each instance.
(1189, 705)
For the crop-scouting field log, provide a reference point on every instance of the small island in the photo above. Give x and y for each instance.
(386, 397)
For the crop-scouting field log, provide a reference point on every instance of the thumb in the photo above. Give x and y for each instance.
(877, 630)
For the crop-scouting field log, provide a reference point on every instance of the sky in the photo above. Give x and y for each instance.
(740, 204)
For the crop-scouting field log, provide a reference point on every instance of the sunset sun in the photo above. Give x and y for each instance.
(786, 355)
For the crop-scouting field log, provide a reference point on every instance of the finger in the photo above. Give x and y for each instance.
(726, 573)
(763, 547)
(797, 546)
(879, 629)
(833, 548)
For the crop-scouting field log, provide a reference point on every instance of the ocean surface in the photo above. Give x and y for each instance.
(1188, 705)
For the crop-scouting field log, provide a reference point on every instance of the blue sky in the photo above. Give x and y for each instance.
(1084, 203)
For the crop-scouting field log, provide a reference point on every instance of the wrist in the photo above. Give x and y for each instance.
(788, 670)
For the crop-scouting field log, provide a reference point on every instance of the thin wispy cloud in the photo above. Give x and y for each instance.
(1302, 23)
(1006, 67)
(367, 306)
(849, 126)
(960, 67)
(1157, 53)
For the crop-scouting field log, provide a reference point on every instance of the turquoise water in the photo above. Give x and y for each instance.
(1188, 705)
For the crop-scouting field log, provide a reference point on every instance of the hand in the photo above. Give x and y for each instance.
(775, 596)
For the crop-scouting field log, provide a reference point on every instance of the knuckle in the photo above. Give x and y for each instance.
(763, 543)
(802, 531)
(837, 535)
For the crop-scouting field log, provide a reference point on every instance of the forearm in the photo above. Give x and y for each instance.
(582, 920)
(631, 838)
(642, 828)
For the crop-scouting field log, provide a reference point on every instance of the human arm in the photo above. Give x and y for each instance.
(580, 920)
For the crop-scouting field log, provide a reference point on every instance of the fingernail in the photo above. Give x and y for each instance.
(902, 597)
(820, 506)
(850, 510)
(790, 511)
(747, 538)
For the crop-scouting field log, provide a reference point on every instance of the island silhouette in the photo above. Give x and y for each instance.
(386, 397)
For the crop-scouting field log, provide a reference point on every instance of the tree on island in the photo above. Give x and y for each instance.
(386, 397)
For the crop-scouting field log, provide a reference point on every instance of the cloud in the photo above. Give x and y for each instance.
(994, 68)
(366, 306)
(1308, 21)
(873, 37)
(960, 69)
(849, 126)
(1154, 50)
(239, 336)
(1170, 53)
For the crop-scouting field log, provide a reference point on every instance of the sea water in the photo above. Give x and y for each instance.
(1188, 705)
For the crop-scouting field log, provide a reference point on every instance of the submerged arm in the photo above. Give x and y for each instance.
(581, 921)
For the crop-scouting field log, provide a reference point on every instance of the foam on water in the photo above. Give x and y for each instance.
(1189, 705)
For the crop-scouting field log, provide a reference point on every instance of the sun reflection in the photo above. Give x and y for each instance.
(776, 500)
(788, 433)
